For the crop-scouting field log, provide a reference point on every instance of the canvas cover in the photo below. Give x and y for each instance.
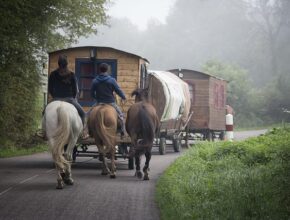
(170, 95)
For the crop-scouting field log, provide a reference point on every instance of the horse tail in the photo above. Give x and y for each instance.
(147, 127)
(61, 136)
(107, 133)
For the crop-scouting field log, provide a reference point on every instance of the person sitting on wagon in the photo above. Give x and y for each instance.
(62, 86)
(102, 90)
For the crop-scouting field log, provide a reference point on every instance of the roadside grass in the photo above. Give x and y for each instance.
(35, 146)
(229, 180)
(270, 126)
(30, 145)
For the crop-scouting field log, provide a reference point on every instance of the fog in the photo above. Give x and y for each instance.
(254, 35)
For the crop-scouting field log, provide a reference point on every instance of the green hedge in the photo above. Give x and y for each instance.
(229, 180)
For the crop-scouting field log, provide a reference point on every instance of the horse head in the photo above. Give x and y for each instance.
(140, 94)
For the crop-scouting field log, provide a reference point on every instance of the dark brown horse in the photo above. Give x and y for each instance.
(102, 124)
(142, 123)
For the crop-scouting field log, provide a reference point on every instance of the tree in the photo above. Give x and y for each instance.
(28, 30)
(241, 95)
(277, 99)
(271, 18)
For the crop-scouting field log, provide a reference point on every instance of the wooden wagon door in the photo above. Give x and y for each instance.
(86, 71)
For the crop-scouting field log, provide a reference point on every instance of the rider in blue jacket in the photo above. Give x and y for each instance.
(103, 88)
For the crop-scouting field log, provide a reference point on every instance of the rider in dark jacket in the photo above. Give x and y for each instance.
(103, 88)
(62, 85)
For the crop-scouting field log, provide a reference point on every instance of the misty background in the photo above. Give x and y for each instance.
(245, 42)
(231, 31)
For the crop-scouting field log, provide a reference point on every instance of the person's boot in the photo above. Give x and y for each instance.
(41, 133)
(123, 129)
(85, 134)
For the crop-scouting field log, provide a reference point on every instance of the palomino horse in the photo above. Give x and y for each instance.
(63, 126)
(102, 124)
(142, 124)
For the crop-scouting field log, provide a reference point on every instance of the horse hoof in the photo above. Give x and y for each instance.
(113, 176)
(59, 185)
(69, 181)
(146, 177)
(139, 174)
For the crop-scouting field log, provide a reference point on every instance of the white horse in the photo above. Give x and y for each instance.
(63, 126)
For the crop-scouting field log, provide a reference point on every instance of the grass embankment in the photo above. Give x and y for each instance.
(36, 146)
(230, 180)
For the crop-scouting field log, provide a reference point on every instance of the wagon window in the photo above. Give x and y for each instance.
(219, 96)
(85, 76)
(86, 71)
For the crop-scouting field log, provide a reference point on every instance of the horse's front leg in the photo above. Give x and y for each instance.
(146, 167)
(113, 166)
(137, 163)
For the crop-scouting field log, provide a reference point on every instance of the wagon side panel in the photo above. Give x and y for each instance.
(200, 104)
(217, 104)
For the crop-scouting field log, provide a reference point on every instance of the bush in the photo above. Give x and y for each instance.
(229, 180)
(18, 102)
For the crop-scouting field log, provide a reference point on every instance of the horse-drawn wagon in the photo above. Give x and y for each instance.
(128, 69)
(208, 102)
(168, 94)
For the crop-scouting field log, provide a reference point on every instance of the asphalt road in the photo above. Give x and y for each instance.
(27, 188)
(241, 135)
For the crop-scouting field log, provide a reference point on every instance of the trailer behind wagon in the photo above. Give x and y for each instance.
(170, 96)
(208, 102)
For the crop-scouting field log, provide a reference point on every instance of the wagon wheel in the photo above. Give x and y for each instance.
(162, 146)
(222, 135)
(130, 163)
(176, 144)
(74, 155)
(206, 135)
(123, 149)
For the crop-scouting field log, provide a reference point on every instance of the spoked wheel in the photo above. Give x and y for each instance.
(176, 144)
(162, 146)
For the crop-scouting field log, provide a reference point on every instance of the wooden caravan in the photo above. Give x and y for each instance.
(208, 102)
(128, 69)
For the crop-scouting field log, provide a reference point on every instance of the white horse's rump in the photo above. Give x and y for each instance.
(63, 126)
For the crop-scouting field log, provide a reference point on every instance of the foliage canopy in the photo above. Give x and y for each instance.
(28, 30)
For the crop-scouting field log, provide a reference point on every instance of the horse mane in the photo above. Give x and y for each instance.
(140, 94)
(136, 92)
